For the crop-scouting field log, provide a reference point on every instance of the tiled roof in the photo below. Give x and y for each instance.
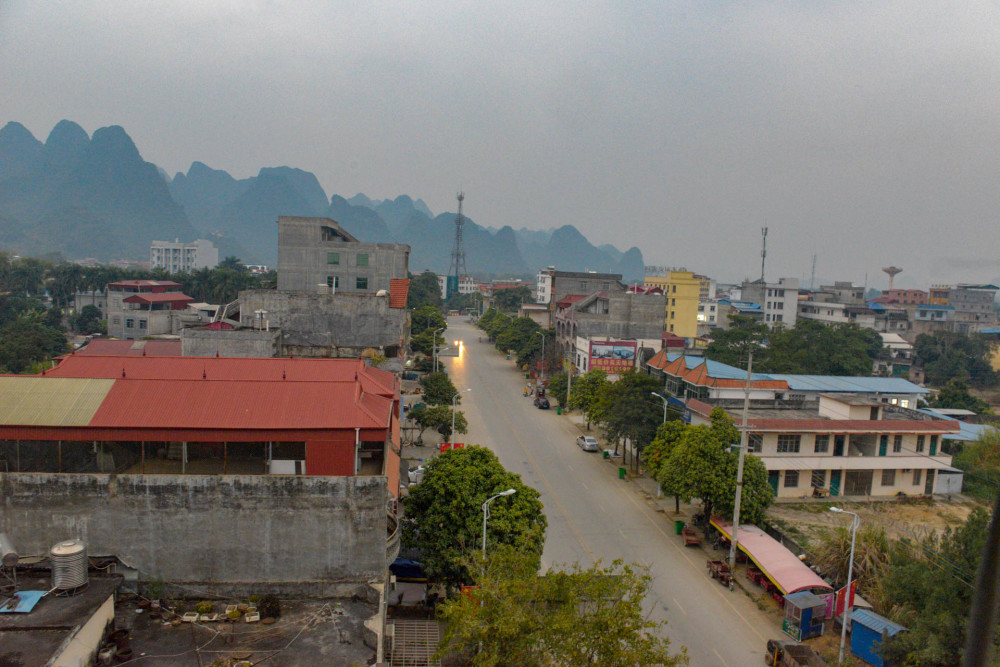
(138, 348)
(399, 290)
(161, 297)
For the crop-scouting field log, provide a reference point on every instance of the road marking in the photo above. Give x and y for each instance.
(679, 605)
(720, 658)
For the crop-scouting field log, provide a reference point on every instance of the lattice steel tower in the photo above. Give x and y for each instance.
(458, 253)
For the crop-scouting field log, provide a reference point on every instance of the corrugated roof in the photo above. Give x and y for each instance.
(41, 401)
(836, 383)
(399, 290)
(879, 624)
(158, 297)
(780, 565)
(138, 348)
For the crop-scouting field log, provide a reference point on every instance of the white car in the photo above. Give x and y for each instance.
(416, 474)
(588, 443)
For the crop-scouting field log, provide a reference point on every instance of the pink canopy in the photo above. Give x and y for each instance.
(780, 565)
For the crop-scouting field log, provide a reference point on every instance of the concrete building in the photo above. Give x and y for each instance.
(466, 285)
(316, 252)
(175, 465)
(938, 295)
(683, 290)
(896, 357)
(726, 308)
(553, 285)
(175, 256)
(140, 308)
(904, 297)
(974, 307)
(608, 315)
(842, 445)
(779, 301)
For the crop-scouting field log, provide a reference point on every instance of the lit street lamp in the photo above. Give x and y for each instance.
(486, 512)
(454, 400)
(855, 522)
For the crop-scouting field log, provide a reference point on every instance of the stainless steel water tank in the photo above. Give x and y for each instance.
(69, 564)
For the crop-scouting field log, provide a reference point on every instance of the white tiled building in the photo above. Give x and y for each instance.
(174, 256)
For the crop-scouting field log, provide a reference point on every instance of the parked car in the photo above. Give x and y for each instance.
(588, 443)
(541, 403)
(416, 474)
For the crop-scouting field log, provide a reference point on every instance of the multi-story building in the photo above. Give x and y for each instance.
(555, 285)
(904, 297)
(615, 315)
(779, 301)
(139, 308)
(843, 445)
(318, 253)
(727, 308)
(842, 291)
(174, 256)
(938, 295)
(466, 285)
(974, 307)
(682, 290)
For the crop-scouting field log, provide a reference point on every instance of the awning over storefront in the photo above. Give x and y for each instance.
(780, 565)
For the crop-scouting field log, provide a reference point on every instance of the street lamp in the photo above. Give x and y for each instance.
(435, 348)
(855, 521)
(486, 512)
(542, 333)
(662, 398)
(454, 399)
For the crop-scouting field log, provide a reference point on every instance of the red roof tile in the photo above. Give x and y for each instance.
(399, 290)
(161, 297)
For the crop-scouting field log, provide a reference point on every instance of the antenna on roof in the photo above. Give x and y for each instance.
(763, 251)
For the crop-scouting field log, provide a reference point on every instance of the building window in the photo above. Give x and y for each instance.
(363, 259)
(333, 258)
(672, 314)
(888, 478)
(934, 440)
(818, 479)
(673, 288)
(606, 286)
(822, 444)
(920, 444)
(361, 283)
(673, 302)
(791, 479)
(142, 324)
(116, 320)
(333, 281)
(789, 444)
(897, 444)
(583, 284)
(917, 477)
(755, 442)
(671, 328)
(129, 323)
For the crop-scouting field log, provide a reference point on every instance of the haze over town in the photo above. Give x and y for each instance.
(864, 134)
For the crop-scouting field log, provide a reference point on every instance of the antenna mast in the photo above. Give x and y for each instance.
(458, 253)
(763, 251)
(812, 279)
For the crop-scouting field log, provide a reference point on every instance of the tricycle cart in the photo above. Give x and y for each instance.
(718, 569)
(690, 536)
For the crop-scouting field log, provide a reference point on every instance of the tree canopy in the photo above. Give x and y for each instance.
(558, 387)
(509, 300)
(946, 355)
(732, 346)
(438, 389)
(438, 417)
(424, 291)
(427, 318)
(627, 409)
(576, 617)
(444, 516)
(955, 394)
(585, 392)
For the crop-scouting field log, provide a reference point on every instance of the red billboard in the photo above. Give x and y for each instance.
(612, 357)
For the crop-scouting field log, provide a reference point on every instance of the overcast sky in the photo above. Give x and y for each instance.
(866, 133)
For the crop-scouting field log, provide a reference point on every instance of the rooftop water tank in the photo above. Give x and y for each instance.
(69, 564)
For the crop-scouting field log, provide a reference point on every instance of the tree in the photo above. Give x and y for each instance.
(703, 464)
(732, 346)
(831, 554)
(438, 389)
(233, 263)
(585, 392)
(424, 342)
(427, 318)
(424, 291)
(27, 340)
(656, 455)
(946, 356)
(520, 336)
(88, 321)
(628, 410)
(509, 300)
(955, 394)
(815, 348)
(438, 417)
(981, 460)
(558, 388)
(575, 617)
(444, 516)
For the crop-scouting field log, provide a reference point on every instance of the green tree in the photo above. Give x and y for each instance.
(981, 459)
(88, 321)
(427, 318)
(585, 392)
(831, 554)
(947, 356)
(509, 300)
(26, 341)
(657, 454)
(520, 336)
(955, 394)
(233, 263)
(444, 516)
(815, 348)
(438, 389)
(628, 410)
(438, 417)
(574, 617)
(732, 346)
(703, 464)
(424, 291)
(424, 342)
(558, 388)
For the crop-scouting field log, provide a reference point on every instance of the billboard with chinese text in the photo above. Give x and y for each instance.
(612, 357)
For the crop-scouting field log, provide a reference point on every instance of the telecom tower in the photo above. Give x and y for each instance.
(763, 252)
(457, 269)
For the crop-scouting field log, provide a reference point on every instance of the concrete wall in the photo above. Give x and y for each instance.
(202, 342)
(304, 259)
(310, 532)
(331, 324)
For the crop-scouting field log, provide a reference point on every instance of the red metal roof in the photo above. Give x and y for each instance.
(152, 285)
(780, 565)
(569, 300)
(399, 290)
(137, 348)
(160, 297)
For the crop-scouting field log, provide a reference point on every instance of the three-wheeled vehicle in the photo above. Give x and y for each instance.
(791, 654)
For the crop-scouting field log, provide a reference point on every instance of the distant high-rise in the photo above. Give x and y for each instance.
(175, 257)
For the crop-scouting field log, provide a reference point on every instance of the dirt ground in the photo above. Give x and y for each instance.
(914, 518)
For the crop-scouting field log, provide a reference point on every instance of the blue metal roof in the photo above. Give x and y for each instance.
(835, 384)
(716, 369)
(879, 624)
(966, 432)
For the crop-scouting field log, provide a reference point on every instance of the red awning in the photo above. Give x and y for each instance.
(780, 565)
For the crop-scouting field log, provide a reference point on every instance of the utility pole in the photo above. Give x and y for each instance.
(763, 252)
(739, 473)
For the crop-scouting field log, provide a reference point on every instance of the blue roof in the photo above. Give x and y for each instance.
(966, 432)
(835, 384)
(879, 624)
(716, 369)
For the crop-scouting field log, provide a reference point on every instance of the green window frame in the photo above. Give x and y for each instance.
(333, 258)
(362, 259)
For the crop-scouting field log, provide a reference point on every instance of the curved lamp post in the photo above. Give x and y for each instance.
(855, 521)
(662, 398)
(486, 512)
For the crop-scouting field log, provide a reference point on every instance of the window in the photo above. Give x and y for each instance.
(778, 317)
(916, 477)
(333, 258)
(361, 283)
(363, 259)
(755, 442)
(791, 479)
(789, 444)
(142, 324)
(933, 451)
(920, 444)
(822, 444)
(333, 281)
(583, 284)
(606, 285)
(116, 320)
(897, 444)
(888, 478)
(818, 479)
(672, 314)
(129, 323)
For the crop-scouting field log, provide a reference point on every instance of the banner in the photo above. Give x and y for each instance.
(445, 446)
(840, 597)
(612, 357)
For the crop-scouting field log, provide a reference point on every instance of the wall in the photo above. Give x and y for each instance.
(328, 322)
(202, 342)
(223, 530)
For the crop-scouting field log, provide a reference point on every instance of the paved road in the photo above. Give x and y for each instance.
(593, 515)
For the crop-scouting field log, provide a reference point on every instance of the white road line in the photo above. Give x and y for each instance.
(720, 658)
(679, 605)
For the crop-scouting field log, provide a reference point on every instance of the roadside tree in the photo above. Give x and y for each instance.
(424, 291)
(628, 411)
(584, 396)
(558, 388)
(509, 300)
(438, 389)
(444, 516)
(426, 318)
(438, 417)
(657, 454)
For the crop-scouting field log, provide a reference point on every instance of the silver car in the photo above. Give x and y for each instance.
(588, 443)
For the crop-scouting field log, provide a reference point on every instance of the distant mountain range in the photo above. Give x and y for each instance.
(94, 196)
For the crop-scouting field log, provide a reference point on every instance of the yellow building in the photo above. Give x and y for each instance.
(938, 295)
(683, 291)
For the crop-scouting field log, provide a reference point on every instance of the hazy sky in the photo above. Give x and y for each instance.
(867, 133)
